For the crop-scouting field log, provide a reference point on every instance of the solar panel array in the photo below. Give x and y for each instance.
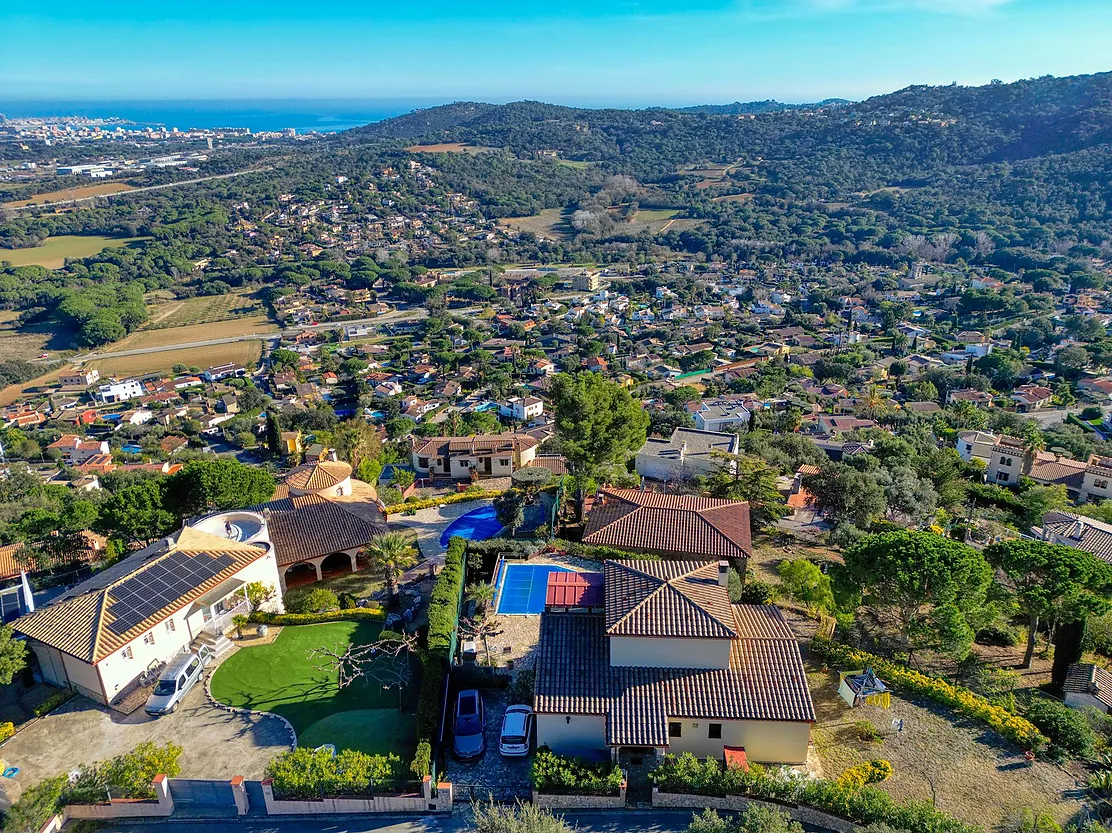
(161, 584)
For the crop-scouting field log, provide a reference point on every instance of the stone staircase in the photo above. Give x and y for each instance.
(218, 643)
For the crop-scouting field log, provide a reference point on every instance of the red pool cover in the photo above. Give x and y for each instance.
(735, 756)
(574, 590)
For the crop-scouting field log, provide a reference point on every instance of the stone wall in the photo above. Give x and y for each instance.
(127, 808)
(735, 803)
(424, 803)
(554, 801)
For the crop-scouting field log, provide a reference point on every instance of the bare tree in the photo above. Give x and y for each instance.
(484, 630)
(386, 661)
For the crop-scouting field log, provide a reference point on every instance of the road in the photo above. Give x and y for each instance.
(649, 821)
(138, 190)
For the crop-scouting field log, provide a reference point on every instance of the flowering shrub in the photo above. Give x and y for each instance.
(1018, 730)
(552, 773)
(372, 613)
(7, 729)
(860, 804)
(429, 503)
(871, 772)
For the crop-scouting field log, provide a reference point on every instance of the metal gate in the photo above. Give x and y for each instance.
(208, 798)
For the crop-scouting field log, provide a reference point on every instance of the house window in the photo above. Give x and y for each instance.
(422, 462)
(148, 638)
(714, 731)
(1100, 484)
(170, 626)
(1002, 477)
(127, 653)
(674, 730)
(1005, 461)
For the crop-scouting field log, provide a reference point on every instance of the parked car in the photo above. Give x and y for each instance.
(468, 725)
(174, 683)
(517, 728)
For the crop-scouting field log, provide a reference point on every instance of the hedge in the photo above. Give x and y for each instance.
(1018, 730)
(7, 729)
(862, 805)
(372, 613)
(560, 775)
(596, 553)
(310, 774)
(58, 698)
(432, 502)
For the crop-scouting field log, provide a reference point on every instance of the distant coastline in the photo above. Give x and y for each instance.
(304, 115)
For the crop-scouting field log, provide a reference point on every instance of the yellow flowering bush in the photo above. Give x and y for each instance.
(870, 772)
(1018, 730)
(429, 503)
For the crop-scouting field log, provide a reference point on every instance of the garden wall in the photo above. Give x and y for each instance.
(127, 808)
(554, 801)
(735, 803)
(424, 803)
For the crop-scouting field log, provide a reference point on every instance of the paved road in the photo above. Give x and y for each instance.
(649, 821)
(138, 190)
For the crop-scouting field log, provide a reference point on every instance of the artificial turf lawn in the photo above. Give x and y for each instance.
(281, 678)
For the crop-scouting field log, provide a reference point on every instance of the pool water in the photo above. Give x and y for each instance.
(477, 525)
(523, 588)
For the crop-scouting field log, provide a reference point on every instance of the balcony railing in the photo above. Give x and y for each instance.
(222, 622)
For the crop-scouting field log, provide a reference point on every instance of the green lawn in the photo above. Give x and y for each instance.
(53, 253)
(281, 678)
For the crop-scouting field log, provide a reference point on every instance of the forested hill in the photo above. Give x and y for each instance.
(745, 108)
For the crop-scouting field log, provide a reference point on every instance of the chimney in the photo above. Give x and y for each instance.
(683, 450)
(723, 573)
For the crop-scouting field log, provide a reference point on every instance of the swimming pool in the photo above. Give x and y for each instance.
(523, 588)
(477, 525)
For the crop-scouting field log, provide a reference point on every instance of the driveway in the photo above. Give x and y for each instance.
(491, 776)
(217, 744)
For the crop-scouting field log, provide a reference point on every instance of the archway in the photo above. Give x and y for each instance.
(336, 564)
(298, 575)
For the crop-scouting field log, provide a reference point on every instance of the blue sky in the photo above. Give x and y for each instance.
(631, 52)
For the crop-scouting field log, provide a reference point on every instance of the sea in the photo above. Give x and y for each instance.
(303, 115)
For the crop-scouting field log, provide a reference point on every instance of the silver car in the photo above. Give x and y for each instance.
(517, 726)
(173, 684)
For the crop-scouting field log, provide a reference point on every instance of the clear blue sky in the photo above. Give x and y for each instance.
(630, 52)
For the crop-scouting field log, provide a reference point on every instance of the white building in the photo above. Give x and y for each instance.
(521, 408)
(721, 414)
(120, 391)
(686, 454)
(174, 595)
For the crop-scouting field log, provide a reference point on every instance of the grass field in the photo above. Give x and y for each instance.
(549, 223)
(575, 163)
(14, 393)
(97, 190)
(282, 678)
(733, 198)
(938, 746)
(246, 353)
(53, 253)
(449, 147)
(169, 336)
(202, 310)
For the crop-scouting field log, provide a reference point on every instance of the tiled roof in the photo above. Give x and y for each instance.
(690, 442)
(1068, 473)
(316, 476)
(677, 524)
(1083, 533)
(478, 444)
(766, 680)
(1088, 678)
(80, 622)
(308, 526)
(667, 598)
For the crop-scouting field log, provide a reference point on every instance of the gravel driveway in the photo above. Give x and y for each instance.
(217, 744)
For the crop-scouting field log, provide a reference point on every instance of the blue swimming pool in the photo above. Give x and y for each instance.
(523, 588)
(477, 525)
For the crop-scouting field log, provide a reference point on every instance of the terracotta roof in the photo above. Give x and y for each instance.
(766, 680)
(478, 444)
(308, 526)
(678, 524)
(91, 620)
(1068, 473)
(667, 598)
(316, 476)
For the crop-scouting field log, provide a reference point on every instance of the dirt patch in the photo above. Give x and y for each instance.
(53, 252)
(169, 336)
(733, 198)
(246, 353)
(83, 191)
(14, 393)
(449, 147)
(550, 223)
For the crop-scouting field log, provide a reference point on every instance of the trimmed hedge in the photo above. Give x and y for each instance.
(1018, 730)
(373, 613)
(862, 805)
(560, 775)
(310, 774)
(55, 700)
(432, 502)
(595, 553)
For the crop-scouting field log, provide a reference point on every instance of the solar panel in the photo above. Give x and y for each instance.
(145, 593)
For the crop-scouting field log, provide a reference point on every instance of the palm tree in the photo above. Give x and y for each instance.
(874, 405)
(481, 594)
(392, 553)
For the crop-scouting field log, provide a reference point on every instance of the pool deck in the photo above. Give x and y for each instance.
(429, 524)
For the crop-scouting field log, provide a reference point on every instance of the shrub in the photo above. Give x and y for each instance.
(309, 774)
(126, 776)
(523, 688)
(871, 772)
(372, 613)
(422, 760)
(552, 773)
(35, 806)
(429, 503)
(866, 732)
(444, 599)
(347, 601)
(755, 592)
(429, 699)
(1003, 636)
(754, 818)
(862, 805)
(517, 818)
(311, 600)
(1067, 728)
(55, 700)
(1018, 730)
(7, 729)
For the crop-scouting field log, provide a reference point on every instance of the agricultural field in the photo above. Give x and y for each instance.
(14, 393)
(550, 224)
(189, 334)
(246, 353)
(99, 190)
(449, 147)
(53, 253)
(733, 198)
(575, 163)
(205, 309)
